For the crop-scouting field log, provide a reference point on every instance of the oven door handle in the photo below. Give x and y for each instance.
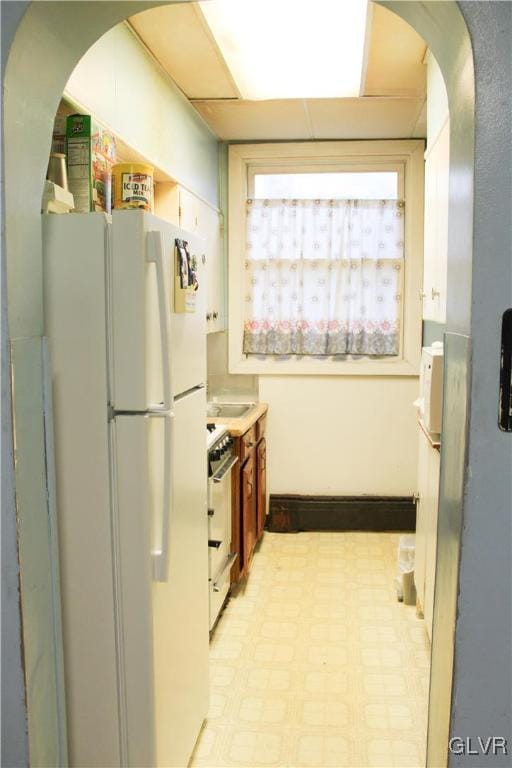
(229, 562)
(218, 477)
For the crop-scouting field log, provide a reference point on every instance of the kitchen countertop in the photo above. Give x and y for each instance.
(240, 424)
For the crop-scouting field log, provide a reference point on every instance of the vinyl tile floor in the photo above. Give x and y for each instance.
(314, 663)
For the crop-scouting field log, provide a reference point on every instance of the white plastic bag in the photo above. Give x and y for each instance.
(405, 588)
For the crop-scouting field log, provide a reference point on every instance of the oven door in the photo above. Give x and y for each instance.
(220, 558)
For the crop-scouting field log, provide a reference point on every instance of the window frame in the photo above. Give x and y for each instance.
(254, 170)
(406, 156)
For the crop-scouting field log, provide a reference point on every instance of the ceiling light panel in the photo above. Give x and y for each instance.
(278, 49)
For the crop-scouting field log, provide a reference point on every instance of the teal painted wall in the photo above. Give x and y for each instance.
(122, 86)
(432, 331)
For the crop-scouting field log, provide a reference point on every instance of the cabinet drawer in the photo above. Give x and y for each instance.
(261, 427)
(247, 443)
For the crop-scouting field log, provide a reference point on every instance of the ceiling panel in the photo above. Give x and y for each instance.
(395, 60)
(393, 105)
(179, 38)
(363, 118)
(258, 120)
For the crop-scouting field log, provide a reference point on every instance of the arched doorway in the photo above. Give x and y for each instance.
(58, 35)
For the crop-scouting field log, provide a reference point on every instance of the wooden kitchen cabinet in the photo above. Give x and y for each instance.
(248, 512)
(261, 487)
(429, 462)
(248, 497)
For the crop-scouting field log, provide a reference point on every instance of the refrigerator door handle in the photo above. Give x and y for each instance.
(160, 551)
(154, 255)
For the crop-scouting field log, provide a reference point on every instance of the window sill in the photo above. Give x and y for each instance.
(314, 367)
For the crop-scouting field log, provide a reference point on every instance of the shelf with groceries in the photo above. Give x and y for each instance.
(92, 169)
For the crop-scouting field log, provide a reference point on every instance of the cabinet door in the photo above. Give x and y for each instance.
(443, 172)
(197, 216)
(261, 491)
(236, 518)
(436, 227)
(210, 229)
(248, 496)
(434, 463)
(429, 237)
(189, 211)
(420, 555)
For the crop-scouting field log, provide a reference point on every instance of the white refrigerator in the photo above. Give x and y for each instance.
(128, 391)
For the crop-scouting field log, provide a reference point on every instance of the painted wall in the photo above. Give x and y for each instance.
(221, 383)
(454, 56)
(119, 82)
(14, 727)
(482, 701)
(341, 435)
(57, 34)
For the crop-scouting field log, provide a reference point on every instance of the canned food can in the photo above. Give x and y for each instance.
(133, 186)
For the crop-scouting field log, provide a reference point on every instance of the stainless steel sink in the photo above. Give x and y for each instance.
(228, 410)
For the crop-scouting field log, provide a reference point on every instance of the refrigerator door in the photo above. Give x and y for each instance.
(157, 353)
(180, 605)
(141, 447)
(133, 501)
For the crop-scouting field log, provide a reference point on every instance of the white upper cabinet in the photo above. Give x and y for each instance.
(199, 217)
(437, 164)
(184, 209)
(436, 227)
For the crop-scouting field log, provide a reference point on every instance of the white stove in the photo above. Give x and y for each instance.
(213, 433)
(221, 461)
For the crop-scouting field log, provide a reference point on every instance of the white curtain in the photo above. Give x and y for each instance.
(323, 277)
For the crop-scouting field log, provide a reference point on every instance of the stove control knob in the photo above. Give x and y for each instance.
(215, 455)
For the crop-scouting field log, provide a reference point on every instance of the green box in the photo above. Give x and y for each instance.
(91, 152)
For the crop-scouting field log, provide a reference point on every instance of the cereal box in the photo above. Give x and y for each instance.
(91, 152)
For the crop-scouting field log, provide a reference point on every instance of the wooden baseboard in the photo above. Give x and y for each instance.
(291, 513)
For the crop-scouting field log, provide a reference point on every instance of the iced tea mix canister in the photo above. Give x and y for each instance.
(133, 186)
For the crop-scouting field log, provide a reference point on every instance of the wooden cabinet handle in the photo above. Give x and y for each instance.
(209, 316)
(215, 315)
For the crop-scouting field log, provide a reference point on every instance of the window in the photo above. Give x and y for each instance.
(327, 185)
(324, 268)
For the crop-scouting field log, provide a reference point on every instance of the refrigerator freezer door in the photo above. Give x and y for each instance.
(143, 320)
(180, 605)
